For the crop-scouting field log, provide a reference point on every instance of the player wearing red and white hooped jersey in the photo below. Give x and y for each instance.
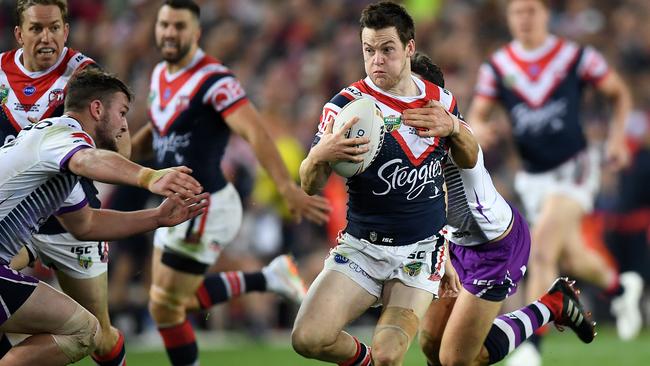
(539, 79)
(195, 103)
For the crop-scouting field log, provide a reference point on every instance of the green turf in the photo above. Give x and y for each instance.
(560, 349)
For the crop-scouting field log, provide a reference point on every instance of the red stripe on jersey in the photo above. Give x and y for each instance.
(550, 91)
(204, 218)
(163, 132)
(84, 136)
(175, 85)
(453, 104)
(14, 123)
(415, 161)
(19, 82)
(233, 107)
(528, 66)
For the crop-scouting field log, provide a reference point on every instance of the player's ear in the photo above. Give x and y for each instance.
(18, 34)
(96, 109)
(66, 32)
(410, 48)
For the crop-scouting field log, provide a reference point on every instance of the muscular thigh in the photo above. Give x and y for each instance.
(435, 320)
(91, 293)
(399, 295)
(333, 301)
(559, 217)
(468, 325)
(181, 284)
(45, 311)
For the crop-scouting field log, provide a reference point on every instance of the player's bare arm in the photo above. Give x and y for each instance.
(435, 120)
(618, 154)
(331, 147)
(141, 144)
(100, 224)
(246, 122)
(478, 114)
(110, 167)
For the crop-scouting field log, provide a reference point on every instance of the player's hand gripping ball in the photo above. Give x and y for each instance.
(370, 124)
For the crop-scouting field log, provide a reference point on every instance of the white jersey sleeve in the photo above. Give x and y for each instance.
(593, 66)
(476, 212)
(60, 143)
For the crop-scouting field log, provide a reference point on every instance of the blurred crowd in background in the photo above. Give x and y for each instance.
(292, 56)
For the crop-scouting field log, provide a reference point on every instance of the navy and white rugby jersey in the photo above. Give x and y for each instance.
(35, 181)
(476, 212)
(399, 199)
(187, 110)
(542, 90)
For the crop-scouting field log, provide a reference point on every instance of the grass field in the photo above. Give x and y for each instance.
(561, 349)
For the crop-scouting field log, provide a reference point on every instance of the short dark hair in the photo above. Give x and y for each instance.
(422, 65)
(387, 14)
(184, 4)
(22, 5)
(90, 84)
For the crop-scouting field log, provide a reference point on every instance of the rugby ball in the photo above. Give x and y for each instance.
(370, 124)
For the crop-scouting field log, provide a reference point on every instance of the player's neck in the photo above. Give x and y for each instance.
(172, 68)
(82, 120)
(533, 43)
(29, 65)
(406, 87)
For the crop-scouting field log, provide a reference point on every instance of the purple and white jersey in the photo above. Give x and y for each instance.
(35, 181)
(542, 90)
(476, 212)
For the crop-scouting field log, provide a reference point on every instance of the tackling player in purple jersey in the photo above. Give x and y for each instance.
(39, 177)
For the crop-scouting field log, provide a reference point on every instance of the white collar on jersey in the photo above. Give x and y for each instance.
(537, 53)
(37, 74)
(197, 57)
(419, 83)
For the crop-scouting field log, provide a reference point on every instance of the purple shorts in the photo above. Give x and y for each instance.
(491, 271)
(15, 289)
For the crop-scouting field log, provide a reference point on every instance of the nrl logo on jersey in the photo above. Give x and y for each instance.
(413, 269)
(392, 123)
(4, 94)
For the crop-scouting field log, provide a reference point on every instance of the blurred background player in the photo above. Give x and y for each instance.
(489, 245)
(39, 177)
(390, 253)
(37, 74)
(539, 79)
(194, 104)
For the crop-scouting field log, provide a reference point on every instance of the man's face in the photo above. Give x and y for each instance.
(527, 20)
(112, 123)
(384, 56)
(177, 31)
(42, 35)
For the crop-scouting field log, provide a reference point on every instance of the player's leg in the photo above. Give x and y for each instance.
(171, 289)
(333, 300)
(466, 330)
(398, 324)
(63, 331)
(92, 294)
(432, 328)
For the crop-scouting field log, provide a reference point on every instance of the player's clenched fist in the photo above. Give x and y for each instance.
(167, 182)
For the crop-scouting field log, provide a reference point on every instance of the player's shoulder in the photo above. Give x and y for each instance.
(77, 60)
(349, 93)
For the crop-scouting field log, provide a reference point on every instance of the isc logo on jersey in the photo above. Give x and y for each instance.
(370, 124)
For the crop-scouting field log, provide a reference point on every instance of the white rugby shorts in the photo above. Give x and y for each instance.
(203, 237)
(77, 259)
(577, 179)
(419, 265)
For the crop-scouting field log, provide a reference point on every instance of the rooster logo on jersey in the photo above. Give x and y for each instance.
(55, 98)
